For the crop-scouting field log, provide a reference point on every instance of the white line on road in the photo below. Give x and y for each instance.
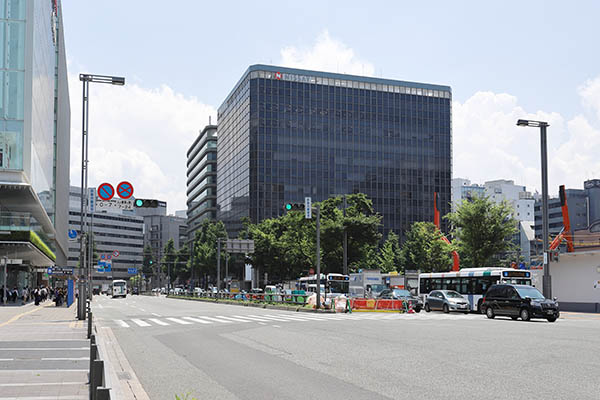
(122, 323)
(270, 318)
(262, 323)
(100, 305)
(232, 319)
(140, 322)
(64, 359)
(276, 326)
(157, 321)
(179, 321)
(142, 309)
(216, 320)
(44, 348)
(200, 321)
(156, 315)
(7, 359)
(41, 384)
(252, 319)
(74, 397)
(295, 318)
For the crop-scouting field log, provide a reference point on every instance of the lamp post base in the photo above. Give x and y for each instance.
(547, 286)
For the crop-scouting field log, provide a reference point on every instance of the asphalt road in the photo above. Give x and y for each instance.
(217, 351)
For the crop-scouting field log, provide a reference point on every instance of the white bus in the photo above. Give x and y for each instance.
(119, 288)
(330, 283)
(472, 283)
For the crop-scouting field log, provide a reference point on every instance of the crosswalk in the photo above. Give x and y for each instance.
(214, 320)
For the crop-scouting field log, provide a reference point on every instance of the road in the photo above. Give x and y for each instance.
(218, 351)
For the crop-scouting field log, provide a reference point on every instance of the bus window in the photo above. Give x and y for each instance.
(425, 286)
(436, 284)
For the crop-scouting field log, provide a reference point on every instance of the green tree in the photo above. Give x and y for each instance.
(204, 260)
(388, 258)
(182, 267)
(148, 262)
(482, 230)
(424, 249)
(168, 259)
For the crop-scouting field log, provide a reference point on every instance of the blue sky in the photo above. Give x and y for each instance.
(503, 60)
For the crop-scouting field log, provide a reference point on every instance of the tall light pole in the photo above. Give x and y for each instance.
(86, 79)
(547, 284)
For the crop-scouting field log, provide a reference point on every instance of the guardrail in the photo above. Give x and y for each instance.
(97, 377)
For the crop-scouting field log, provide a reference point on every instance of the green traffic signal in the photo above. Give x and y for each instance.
(150, 262)
(288, 206)
(139, 202)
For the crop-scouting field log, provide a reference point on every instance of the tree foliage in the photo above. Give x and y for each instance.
(482, 230)
(424, 249)
(388, 258)
(285, 247)
(204, 260)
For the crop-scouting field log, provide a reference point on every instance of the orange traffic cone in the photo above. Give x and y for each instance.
(410, 308)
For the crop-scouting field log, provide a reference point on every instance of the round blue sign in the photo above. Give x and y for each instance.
(72, 233)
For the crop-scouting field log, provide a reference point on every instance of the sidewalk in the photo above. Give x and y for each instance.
(44, 353)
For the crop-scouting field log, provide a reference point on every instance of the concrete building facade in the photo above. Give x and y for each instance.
(34, 139)
(113, 231)
(202, 179)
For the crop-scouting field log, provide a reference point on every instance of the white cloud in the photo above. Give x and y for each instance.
(140, 135)
(326, 54)
(488, 145)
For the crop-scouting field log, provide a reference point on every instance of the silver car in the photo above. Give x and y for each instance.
(446, 301)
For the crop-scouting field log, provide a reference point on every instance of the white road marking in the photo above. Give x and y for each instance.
(232, 319)
(276, 326)
(100, 305)
(270, 318)
(158, 321)
(45, 348)
(262, 323)
(7, 359)
(216, 319)
(142, 309)
(64, 359)
(295, 317)
(200, 321)
(156, 315)
(179, 321)
(41, 384)
(140, 322)
(122, 323)
(251, 319)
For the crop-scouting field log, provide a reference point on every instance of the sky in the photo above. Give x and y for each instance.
(504, 60)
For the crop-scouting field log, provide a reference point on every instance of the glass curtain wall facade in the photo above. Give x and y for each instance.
(285, 134)
(202, 179)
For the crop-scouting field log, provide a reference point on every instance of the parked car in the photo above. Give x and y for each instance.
(135, 290)
(198, 291)
(516, 301)
(446, 301)
(402, 294)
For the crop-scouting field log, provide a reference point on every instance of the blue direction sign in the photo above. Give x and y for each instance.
(132, 271)
(104, 266)
(72, 234)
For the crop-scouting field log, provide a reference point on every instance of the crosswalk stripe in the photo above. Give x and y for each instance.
(179, 321)
(157, 321)
(252, 319)
(232, 319)
(270, 318)
(216, 319)
(295, 318)
(200, 321)
(140, 322)
(122, 323)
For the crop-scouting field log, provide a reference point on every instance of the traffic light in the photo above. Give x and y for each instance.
(145, 203)
(294, 206)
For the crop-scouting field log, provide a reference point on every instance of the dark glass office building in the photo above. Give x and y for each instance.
(285, 134)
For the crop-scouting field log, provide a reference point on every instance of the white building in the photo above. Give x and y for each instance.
(462, 189)
(113, 231)
(518, 196)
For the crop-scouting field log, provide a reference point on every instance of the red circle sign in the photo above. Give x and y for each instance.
(106, 191)
(125, 190)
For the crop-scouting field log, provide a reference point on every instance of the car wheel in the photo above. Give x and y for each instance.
(551, 319)
(465, 312)
(525, 314)
(489, 312)
(427, 308)
(514, 318)
(418, 309)
(446, 309)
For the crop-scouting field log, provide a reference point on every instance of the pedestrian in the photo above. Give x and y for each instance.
(37, 296)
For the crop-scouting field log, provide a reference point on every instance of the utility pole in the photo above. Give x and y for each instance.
(345, 241)
(218, 264)
(318, 256)
(547, 283)
(5, 281)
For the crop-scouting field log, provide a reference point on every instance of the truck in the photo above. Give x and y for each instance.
(366, 283)
(105, 287)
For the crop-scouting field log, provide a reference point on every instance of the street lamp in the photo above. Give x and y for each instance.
(547, 284)
(86, 79)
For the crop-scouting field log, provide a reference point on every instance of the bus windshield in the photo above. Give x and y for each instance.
(338, 286)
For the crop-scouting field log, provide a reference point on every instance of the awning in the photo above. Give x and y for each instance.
(20, 197)
(25, 251)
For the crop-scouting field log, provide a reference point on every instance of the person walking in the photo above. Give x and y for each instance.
(37, 296)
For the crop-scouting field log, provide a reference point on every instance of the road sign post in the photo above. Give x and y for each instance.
(307, 207)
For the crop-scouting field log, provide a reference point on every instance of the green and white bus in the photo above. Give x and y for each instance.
(119, 288)
(472, 283)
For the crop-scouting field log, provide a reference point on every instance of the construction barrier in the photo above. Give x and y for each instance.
(358, 304)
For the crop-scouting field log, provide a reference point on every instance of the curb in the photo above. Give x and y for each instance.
(270, 306)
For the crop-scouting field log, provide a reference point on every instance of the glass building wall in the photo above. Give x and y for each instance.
(285, 134)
